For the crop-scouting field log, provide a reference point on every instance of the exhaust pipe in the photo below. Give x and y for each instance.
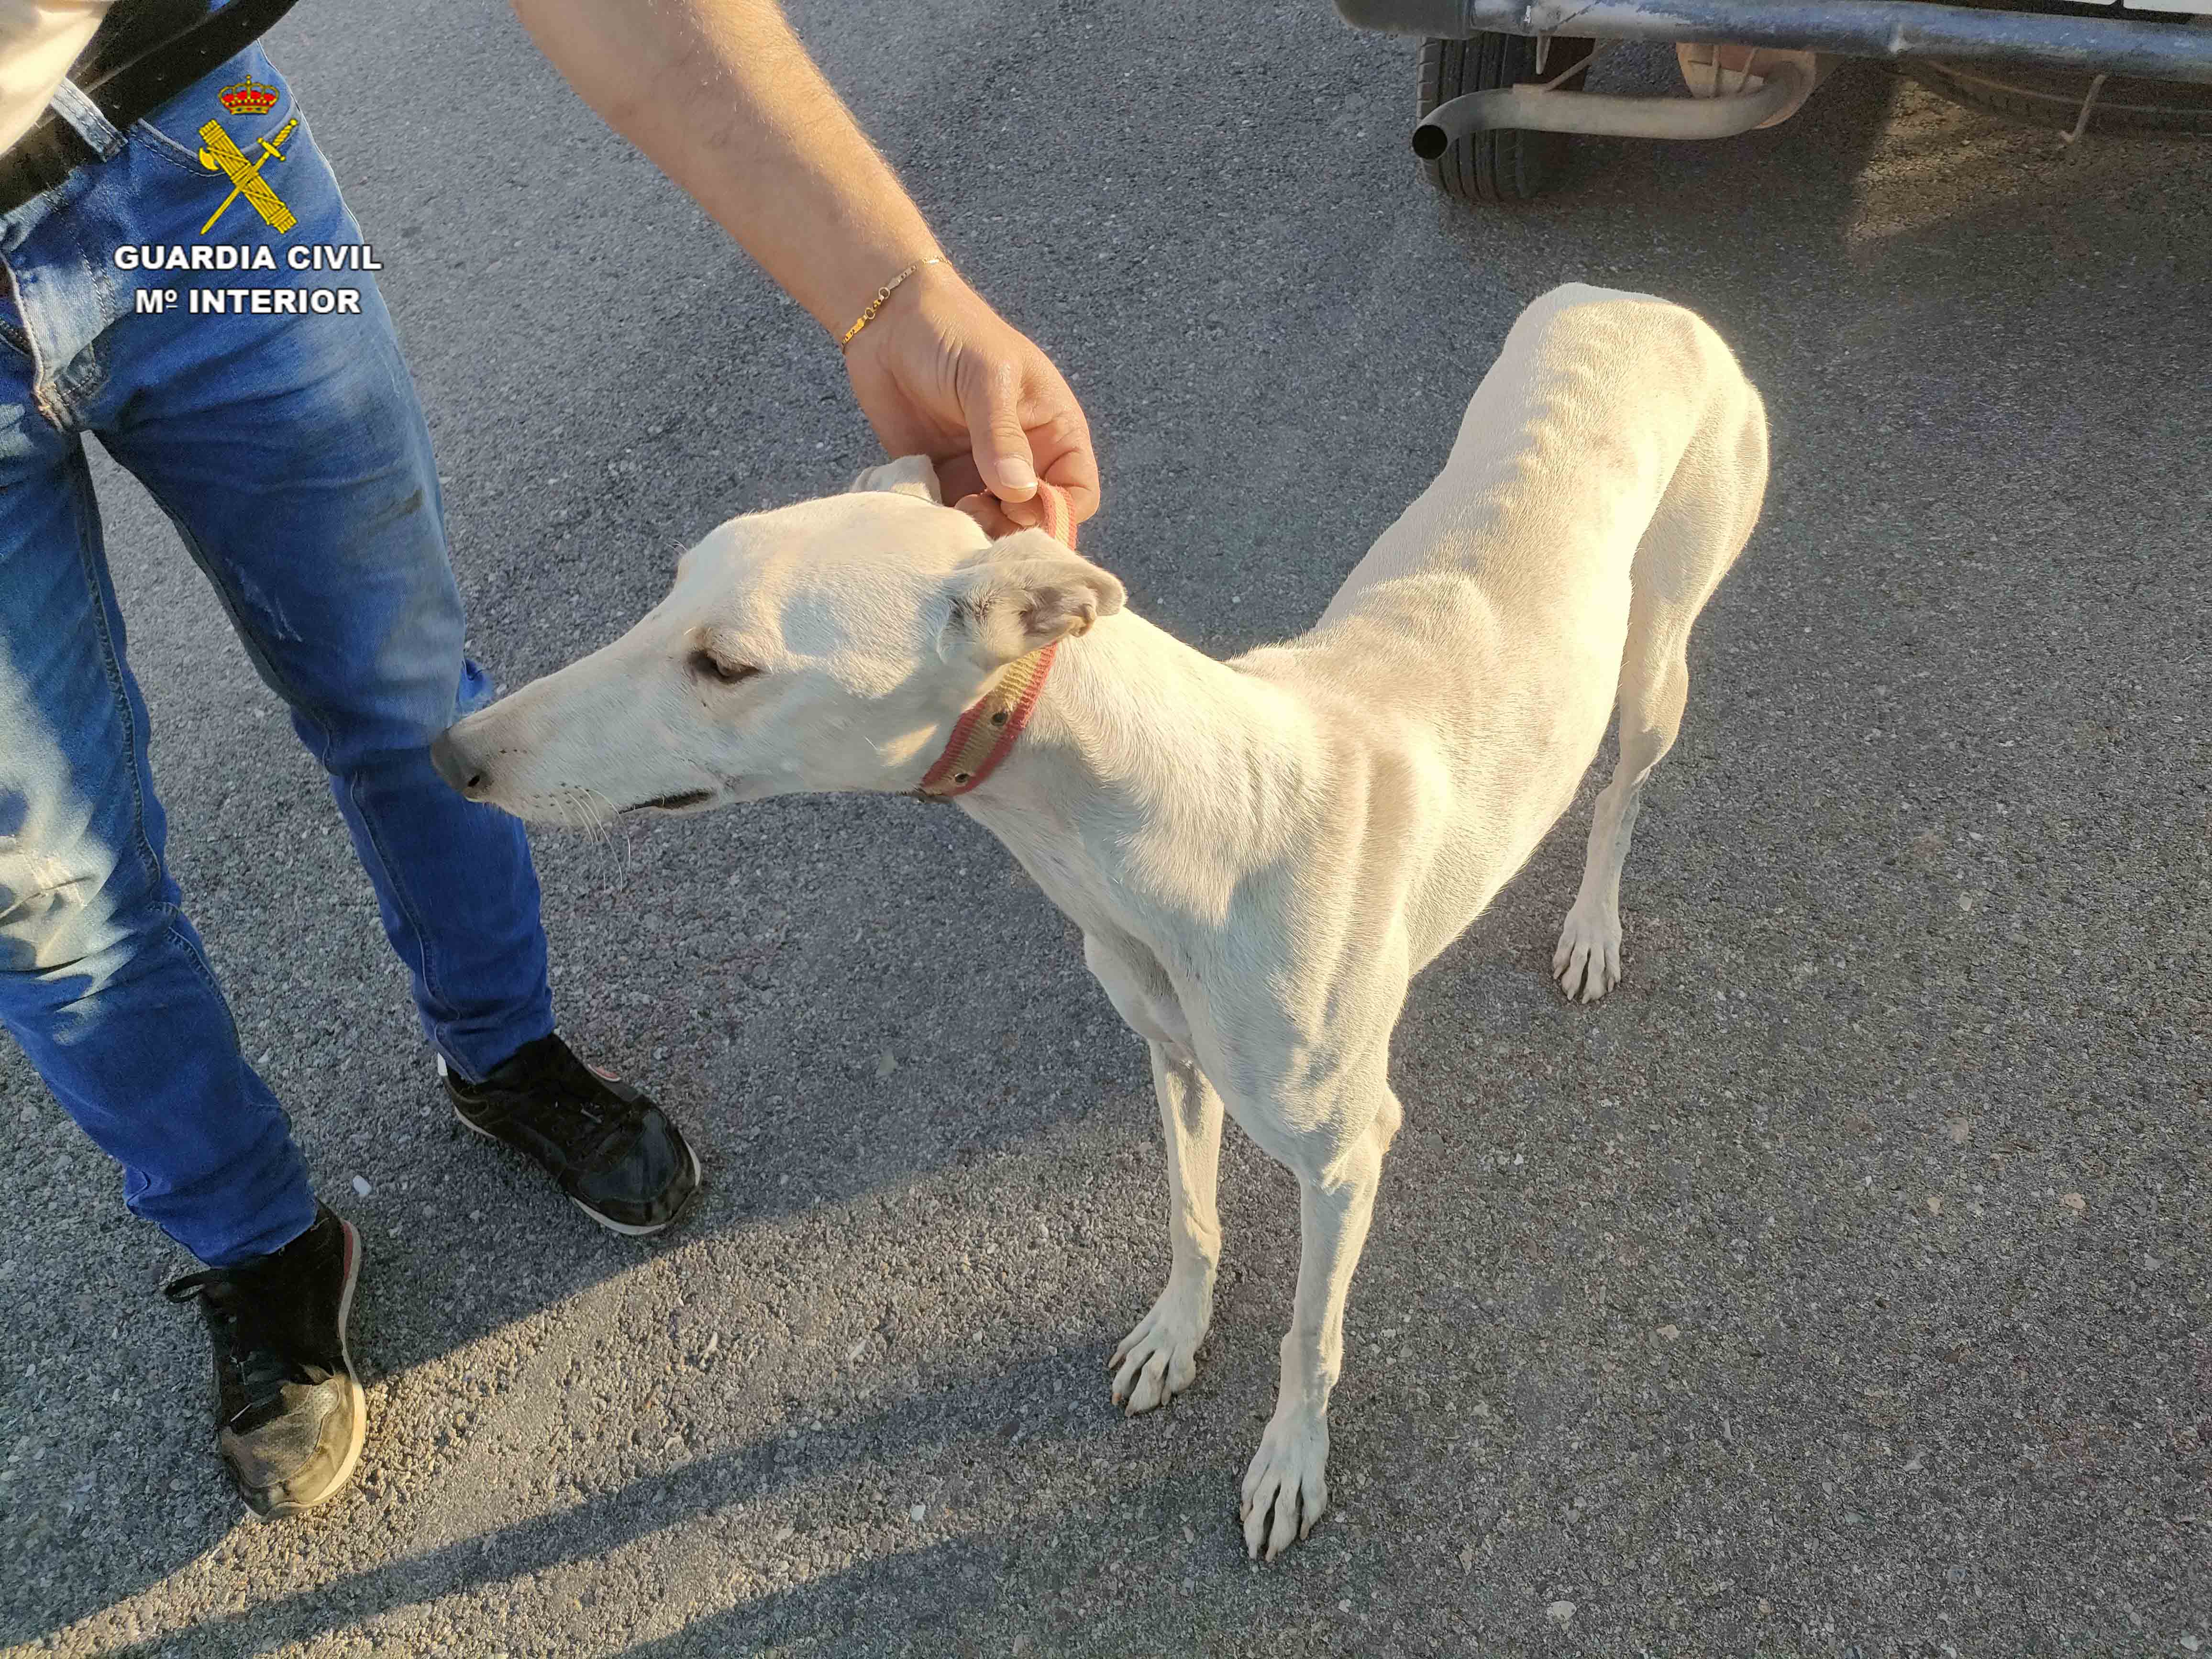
(1541, 109)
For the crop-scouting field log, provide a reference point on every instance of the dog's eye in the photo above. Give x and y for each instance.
(708, 665)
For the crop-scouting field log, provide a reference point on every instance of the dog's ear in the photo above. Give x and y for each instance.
(1020, 594)
(909, 475)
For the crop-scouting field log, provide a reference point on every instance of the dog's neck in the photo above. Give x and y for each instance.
(1133, 728)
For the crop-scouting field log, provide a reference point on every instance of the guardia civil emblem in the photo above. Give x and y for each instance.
(219, 155)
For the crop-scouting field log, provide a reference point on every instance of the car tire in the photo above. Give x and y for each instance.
(1496, 166)
(2053, 98)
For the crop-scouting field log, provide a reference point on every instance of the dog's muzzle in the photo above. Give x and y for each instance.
(465, 771)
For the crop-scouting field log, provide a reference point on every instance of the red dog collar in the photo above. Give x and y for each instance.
(984, 735)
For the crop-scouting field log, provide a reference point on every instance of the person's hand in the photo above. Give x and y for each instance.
(938, 373)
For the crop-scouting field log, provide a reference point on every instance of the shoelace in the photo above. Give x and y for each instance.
(244, 1349)
(574, 1090)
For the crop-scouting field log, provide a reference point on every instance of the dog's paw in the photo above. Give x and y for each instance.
(1587, 963)
(1288, 1481)
(1158, 1359)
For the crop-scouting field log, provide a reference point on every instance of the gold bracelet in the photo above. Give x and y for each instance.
(882, 294)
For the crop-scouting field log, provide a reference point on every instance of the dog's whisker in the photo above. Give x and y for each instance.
(607, 824)
(571, 819)
(600, 819)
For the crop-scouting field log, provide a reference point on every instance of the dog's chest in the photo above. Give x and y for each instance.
(1122, 961)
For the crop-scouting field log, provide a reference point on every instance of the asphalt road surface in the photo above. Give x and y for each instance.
(1837, 1287)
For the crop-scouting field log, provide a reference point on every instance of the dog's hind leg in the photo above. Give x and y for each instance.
(1700, 524)
(1158, 1359)
(1655, 682)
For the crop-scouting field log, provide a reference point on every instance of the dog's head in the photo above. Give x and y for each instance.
(828, 646)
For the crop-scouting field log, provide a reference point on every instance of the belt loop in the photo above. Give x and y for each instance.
(86, 119)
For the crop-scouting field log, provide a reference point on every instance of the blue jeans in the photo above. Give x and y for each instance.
(289, 451)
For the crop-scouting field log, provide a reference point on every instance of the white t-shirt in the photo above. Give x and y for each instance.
(38, 41)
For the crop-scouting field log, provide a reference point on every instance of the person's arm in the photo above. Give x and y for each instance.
(723, 98)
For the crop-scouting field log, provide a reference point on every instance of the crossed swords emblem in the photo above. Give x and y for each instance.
(219, 155)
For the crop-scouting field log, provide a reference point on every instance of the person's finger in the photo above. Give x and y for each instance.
(1076, 472)
(992, 404)
(1063, 457)
(986, 511)
(1059, 442)
(957, 476)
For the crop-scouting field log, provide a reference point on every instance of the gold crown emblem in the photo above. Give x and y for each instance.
(248, 97)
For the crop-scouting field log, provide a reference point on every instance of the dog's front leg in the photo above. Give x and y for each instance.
(1158, 1359)
(1290, 1472)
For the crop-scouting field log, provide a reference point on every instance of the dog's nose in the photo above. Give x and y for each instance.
(463, 771)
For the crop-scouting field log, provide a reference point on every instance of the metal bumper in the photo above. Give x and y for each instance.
(1894, 29)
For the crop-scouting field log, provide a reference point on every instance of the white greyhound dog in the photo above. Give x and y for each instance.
(1260, 854)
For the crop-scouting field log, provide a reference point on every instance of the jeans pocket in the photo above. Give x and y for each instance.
(246, 97)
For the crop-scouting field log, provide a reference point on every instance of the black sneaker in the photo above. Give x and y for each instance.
(614, 1153)
(289, 1410)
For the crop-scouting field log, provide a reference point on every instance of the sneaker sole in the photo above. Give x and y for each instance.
(626, 1229)
(352, 1461)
